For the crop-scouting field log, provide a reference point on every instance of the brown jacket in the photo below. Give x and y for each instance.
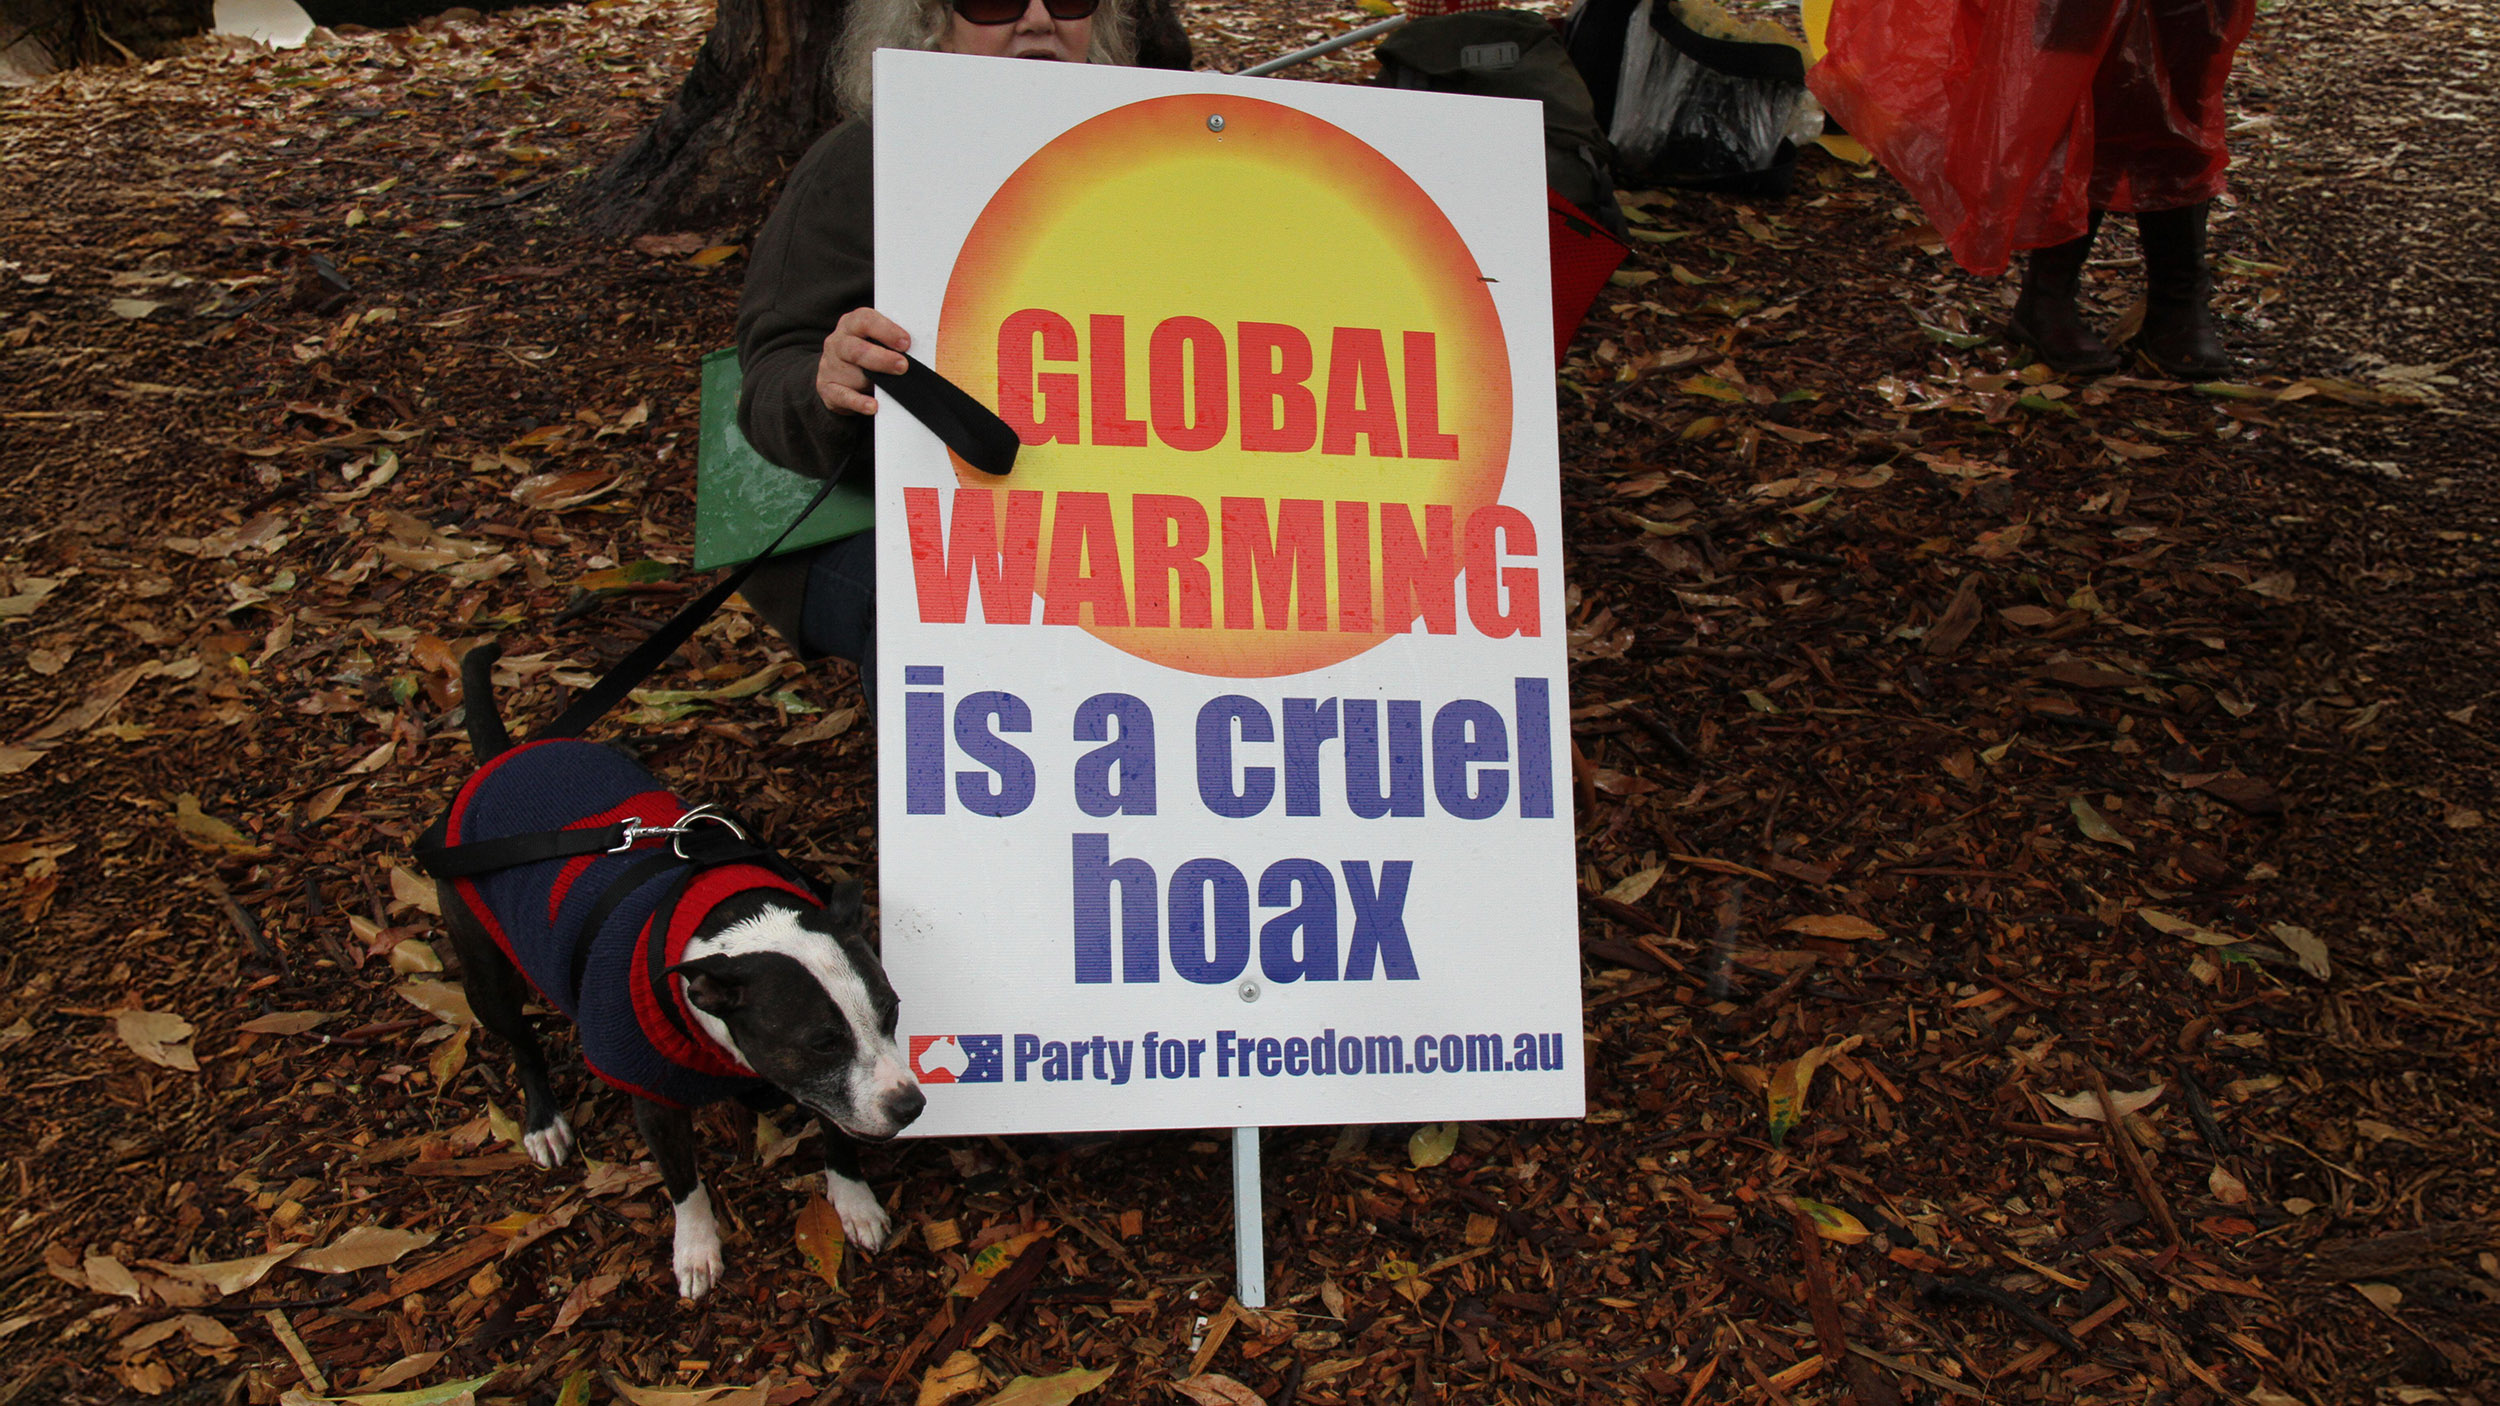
(814, 261)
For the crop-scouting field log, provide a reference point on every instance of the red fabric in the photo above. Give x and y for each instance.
(2011, 120)
(1584, 256)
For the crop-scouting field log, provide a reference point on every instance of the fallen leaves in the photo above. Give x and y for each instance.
(959, 1375)
(585, 1296)
(1960, 616)
(85, 714)
(201, 1330)
(1791, 1083)
(226, 1277)
(821, 1241)
(413, 890)
(364, 1247)
(1831, 1222)
(2243, 793)
(1216, 1389)
(668, 246)
(1636, 887)
(207, 831)
(2412, 394)
(824, 729)
(2095, 826)
(755, 1395)
(2174, 926)
(1896, 779)
(557, 492)
(2306, 947)
(456, 1393)
(159, 1037)
(287, 1022)
(1838, 927)
(746, 687)
(1057, 1390)
(445, 1061)
(264, 533)
(149, 1378)
(106, 1275)
(2086, 673)
(1432, 1144)
(992, 1260)
(2226, 1188)
(439, 999)
(2087, 1105)
(410, 956)
(30, 594)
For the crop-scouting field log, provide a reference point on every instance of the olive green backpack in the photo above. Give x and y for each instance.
(1514, 54)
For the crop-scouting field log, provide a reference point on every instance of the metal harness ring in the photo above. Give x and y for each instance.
(634, 831)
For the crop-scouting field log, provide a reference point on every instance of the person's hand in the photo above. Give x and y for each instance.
(864, 340)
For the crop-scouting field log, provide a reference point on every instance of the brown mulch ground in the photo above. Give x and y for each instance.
(2149, 726)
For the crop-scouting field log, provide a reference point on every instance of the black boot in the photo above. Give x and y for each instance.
(2046, 317)
(2180, 337)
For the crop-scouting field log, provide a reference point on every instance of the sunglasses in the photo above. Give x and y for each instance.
(1009, 11)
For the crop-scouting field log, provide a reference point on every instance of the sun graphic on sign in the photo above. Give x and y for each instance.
(1259, 376)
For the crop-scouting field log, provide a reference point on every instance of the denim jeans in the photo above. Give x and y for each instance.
(838, 608)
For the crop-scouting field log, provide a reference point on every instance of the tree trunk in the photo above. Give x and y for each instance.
(42, 36)
(760, 91)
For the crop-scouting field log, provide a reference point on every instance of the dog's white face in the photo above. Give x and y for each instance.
(805, 1005)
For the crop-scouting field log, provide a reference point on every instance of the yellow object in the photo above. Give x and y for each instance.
(1818, 24)
(1847, 148)
(1711, 18)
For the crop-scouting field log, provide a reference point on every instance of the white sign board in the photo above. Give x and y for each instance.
(1223, 758)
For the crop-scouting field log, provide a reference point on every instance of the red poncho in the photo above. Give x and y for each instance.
(2011, 120)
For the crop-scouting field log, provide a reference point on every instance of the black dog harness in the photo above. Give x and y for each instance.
(592, 877)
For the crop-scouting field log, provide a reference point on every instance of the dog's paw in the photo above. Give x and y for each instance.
(550, 1145)
(697, 1246)
(864, 1221)
(698, 1267)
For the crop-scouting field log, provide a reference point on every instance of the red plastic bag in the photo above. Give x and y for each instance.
(2011, 120)
(1584, 256)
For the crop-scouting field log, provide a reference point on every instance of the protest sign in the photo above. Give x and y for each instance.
(1224, 748)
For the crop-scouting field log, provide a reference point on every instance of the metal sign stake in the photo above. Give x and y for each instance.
(1327, 46)
(1249, 1222)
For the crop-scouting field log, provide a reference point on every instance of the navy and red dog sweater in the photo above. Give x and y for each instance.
(536, 913)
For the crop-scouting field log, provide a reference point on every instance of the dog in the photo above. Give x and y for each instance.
(734, 982)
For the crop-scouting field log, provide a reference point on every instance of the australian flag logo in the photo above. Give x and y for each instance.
(959, 1059)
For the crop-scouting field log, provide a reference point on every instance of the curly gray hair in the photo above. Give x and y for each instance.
(923, 24)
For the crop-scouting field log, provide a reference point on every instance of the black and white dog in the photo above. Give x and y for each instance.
(696, 966)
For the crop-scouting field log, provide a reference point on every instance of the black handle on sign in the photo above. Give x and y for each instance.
(968, 427)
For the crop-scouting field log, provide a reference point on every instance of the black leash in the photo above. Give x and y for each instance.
(964, 424)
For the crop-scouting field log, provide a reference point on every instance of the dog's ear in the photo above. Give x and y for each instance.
(843, 904)
(711, 985)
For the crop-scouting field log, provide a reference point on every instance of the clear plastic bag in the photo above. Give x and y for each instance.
(1700, 108)
(1675, 113)
(2011, 120)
